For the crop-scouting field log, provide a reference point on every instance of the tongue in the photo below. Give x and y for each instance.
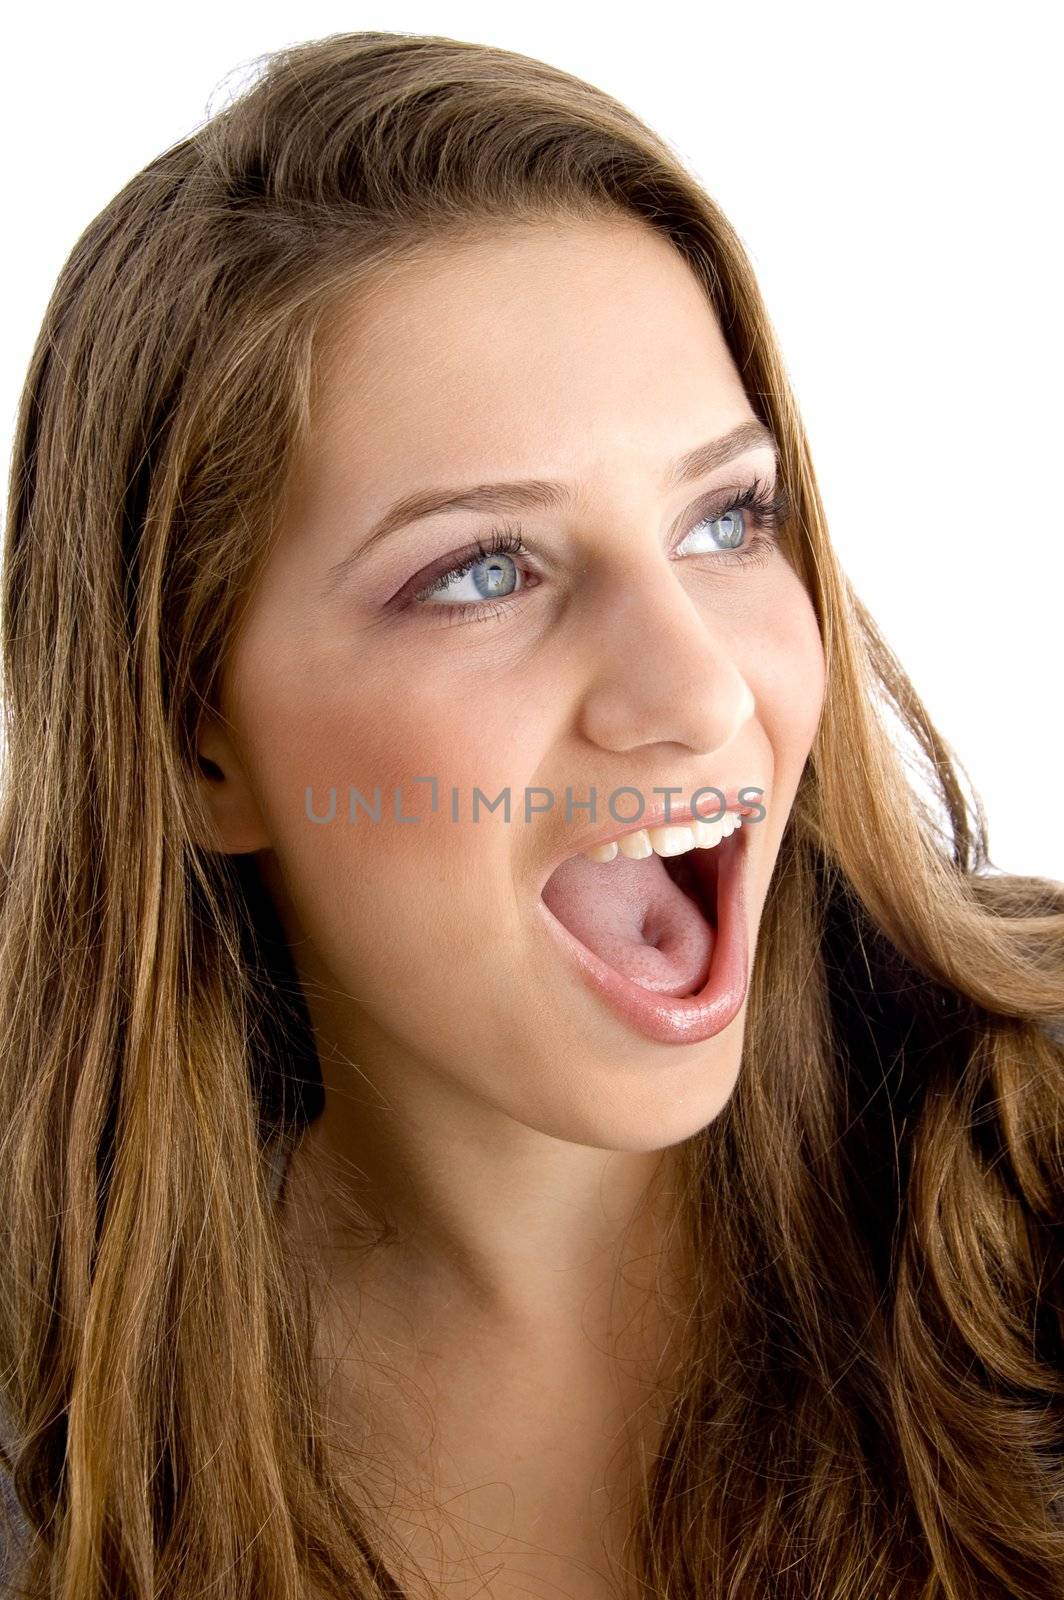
(636, 919)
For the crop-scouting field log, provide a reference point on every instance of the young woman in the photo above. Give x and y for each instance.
(508, 1087)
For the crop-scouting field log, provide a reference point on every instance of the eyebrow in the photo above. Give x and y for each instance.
(538, 494)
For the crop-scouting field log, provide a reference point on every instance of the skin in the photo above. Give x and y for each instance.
(479, 1099)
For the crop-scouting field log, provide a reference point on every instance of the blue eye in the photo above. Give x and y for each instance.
(493, 574)
(491, 571)
(731, 525)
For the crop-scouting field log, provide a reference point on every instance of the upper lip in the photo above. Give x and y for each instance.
(708, 809)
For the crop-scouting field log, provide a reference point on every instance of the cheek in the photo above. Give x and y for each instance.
(786, 673)
(348, 722)
(370, 726)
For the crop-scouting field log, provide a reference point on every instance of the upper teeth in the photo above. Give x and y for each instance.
(671, 840)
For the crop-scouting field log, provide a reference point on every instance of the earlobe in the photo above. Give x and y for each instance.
(235, 820)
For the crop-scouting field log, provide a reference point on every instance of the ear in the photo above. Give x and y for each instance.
(237, 825)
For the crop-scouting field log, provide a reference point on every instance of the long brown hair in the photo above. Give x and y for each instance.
(872, 1402)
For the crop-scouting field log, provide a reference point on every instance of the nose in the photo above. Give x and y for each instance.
(663, 673)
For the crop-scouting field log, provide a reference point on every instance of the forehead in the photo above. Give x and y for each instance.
(540, 346)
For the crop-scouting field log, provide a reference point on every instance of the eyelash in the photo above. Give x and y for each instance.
(770, 509)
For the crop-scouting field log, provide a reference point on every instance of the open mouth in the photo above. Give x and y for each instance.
(654, 921)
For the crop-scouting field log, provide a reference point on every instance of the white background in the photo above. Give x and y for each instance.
(894, 174)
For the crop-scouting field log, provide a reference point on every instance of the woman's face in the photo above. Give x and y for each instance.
(626, 646)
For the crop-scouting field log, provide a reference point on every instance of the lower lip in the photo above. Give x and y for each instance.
(687, 1019)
